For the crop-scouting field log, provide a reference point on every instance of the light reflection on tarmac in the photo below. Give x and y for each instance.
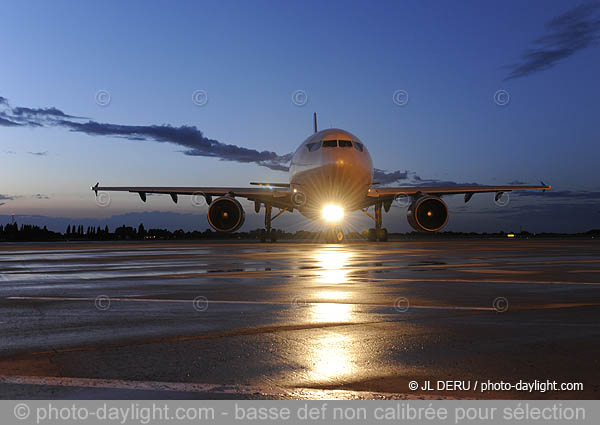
(295, 320)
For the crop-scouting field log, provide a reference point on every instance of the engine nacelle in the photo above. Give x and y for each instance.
(225, 214)
(427, 214)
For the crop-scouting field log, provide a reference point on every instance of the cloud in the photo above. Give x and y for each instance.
(575, 30)
(433, 182)
(6, 197)
(31, 117)
(412, 179)
(516, 182)
(40, 112)
(189, 137)
(40, 196)
(2, 203)
(385, 177)
(8, 123)
(430, 182)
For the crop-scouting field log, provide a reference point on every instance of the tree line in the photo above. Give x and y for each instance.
(78, 232)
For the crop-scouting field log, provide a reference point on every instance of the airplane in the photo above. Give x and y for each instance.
(330, 174)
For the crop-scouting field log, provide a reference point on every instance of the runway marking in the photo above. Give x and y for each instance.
(434, 280)
(137, 385)
(297, 303)
(585, 271)
(213, 335)
(473, 267)
(355, 268)
(498, 271)
(196, 387)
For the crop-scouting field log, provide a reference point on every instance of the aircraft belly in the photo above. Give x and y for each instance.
(331, 183)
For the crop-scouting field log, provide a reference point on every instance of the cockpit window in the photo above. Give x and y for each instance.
(330, 143)
(345, 143)
(313, 146)
(358, 146)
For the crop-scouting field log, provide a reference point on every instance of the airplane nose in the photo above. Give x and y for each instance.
(341, 157)
(350, 163)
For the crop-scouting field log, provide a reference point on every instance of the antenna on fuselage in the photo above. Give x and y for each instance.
(315, 121)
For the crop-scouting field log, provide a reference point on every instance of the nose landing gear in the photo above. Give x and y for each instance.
(334, 235)
(374, 235)
(378, 233)
(267, 232)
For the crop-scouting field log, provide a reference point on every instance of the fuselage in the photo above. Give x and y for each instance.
(330, 166)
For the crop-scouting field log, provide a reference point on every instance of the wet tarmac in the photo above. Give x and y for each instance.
(298, 320)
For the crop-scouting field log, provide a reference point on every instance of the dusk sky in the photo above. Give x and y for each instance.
(113, 74)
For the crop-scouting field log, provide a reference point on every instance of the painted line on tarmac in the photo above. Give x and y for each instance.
(301, 303)
(137, 385)
(194, 387)
(296, 303)
(483, 280)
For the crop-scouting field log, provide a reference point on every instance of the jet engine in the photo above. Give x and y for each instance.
(225, 214)
(427, 214)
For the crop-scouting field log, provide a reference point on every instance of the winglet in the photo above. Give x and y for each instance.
(95, 188)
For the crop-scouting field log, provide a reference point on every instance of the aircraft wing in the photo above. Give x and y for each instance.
(276, 196)
(390, 193)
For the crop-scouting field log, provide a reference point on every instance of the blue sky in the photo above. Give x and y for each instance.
(349, 58)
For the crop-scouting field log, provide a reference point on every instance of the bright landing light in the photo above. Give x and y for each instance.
(332, 213)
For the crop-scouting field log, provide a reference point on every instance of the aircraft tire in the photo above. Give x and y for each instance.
(382, 235)
(372, 235)
(334, 235)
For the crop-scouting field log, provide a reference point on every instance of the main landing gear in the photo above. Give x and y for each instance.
(378, 233)
(267, 232)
